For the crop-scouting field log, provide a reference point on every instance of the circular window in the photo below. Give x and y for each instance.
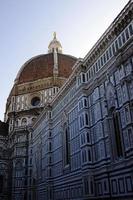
(35, 101)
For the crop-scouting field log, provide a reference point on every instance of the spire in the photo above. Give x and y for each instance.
(54, 45)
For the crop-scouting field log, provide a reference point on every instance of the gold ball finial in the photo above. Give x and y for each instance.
(54, 34)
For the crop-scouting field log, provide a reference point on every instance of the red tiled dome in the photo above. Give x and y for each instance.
(42, 67)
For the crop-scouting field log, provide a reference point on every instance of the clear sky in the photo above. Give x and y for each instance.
(26, 28)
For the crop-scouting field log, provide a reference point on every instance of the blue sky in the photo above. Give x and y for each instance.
(26, 28)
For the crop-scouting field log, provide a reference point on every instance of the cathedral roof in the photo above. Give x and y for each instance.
(42, 66)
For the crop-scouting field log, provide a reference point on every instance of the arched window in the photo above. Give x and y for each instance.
(66, 145)
(88, 137)
(24, 122)
(86, 119)
(118, 141)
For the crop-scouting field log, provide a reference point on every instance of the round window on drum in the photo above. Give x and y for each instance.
(35, 101)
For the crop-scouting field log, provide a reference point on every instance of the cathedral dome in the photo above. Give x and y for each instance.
(47, 65)
(42, 66)
(40, 78)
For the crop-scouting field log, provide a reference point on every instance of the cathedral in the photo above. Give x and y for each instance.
(68, 126)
